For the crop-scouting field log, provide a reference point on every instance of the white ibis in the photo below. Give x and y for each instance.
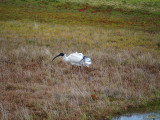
(77, 59)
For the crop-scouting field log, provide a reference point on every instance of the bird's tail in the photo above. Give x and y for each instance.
(87, 61)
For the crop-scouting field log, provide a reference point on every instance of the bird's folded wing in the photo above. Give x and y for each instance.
(75, 57)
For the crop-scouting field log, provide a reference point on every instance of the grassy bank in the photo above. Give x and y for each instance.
(124, 75)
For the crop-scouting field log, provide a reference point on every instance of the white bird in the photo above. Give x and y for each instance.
(77, 59)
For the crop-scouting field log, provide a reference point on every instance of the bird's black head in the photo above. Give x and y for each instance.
(61, 54)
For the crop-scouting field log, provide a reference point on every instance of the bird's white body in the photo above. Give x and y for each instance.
(77, 59)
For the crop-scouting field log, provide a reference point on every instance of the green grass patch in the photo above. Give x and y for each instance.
(80, 14)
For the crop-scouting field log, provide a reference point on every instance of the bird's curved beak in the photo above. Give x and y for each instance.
(55, 57)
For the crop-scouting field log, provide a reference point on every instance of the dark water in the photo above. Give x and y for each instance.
(139, 116)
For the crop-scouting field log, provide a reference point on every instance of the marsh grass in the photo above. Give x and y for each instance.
(143, 5)
(41, 89)
(124, 75)
(82, 38)
(67, 13)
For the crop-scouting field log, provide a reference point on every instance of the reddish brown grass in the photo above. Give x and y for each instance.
(32, 87)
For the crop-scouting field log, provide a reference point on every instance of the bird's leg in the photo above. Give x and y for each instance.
(72, 67)
(80, 68)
